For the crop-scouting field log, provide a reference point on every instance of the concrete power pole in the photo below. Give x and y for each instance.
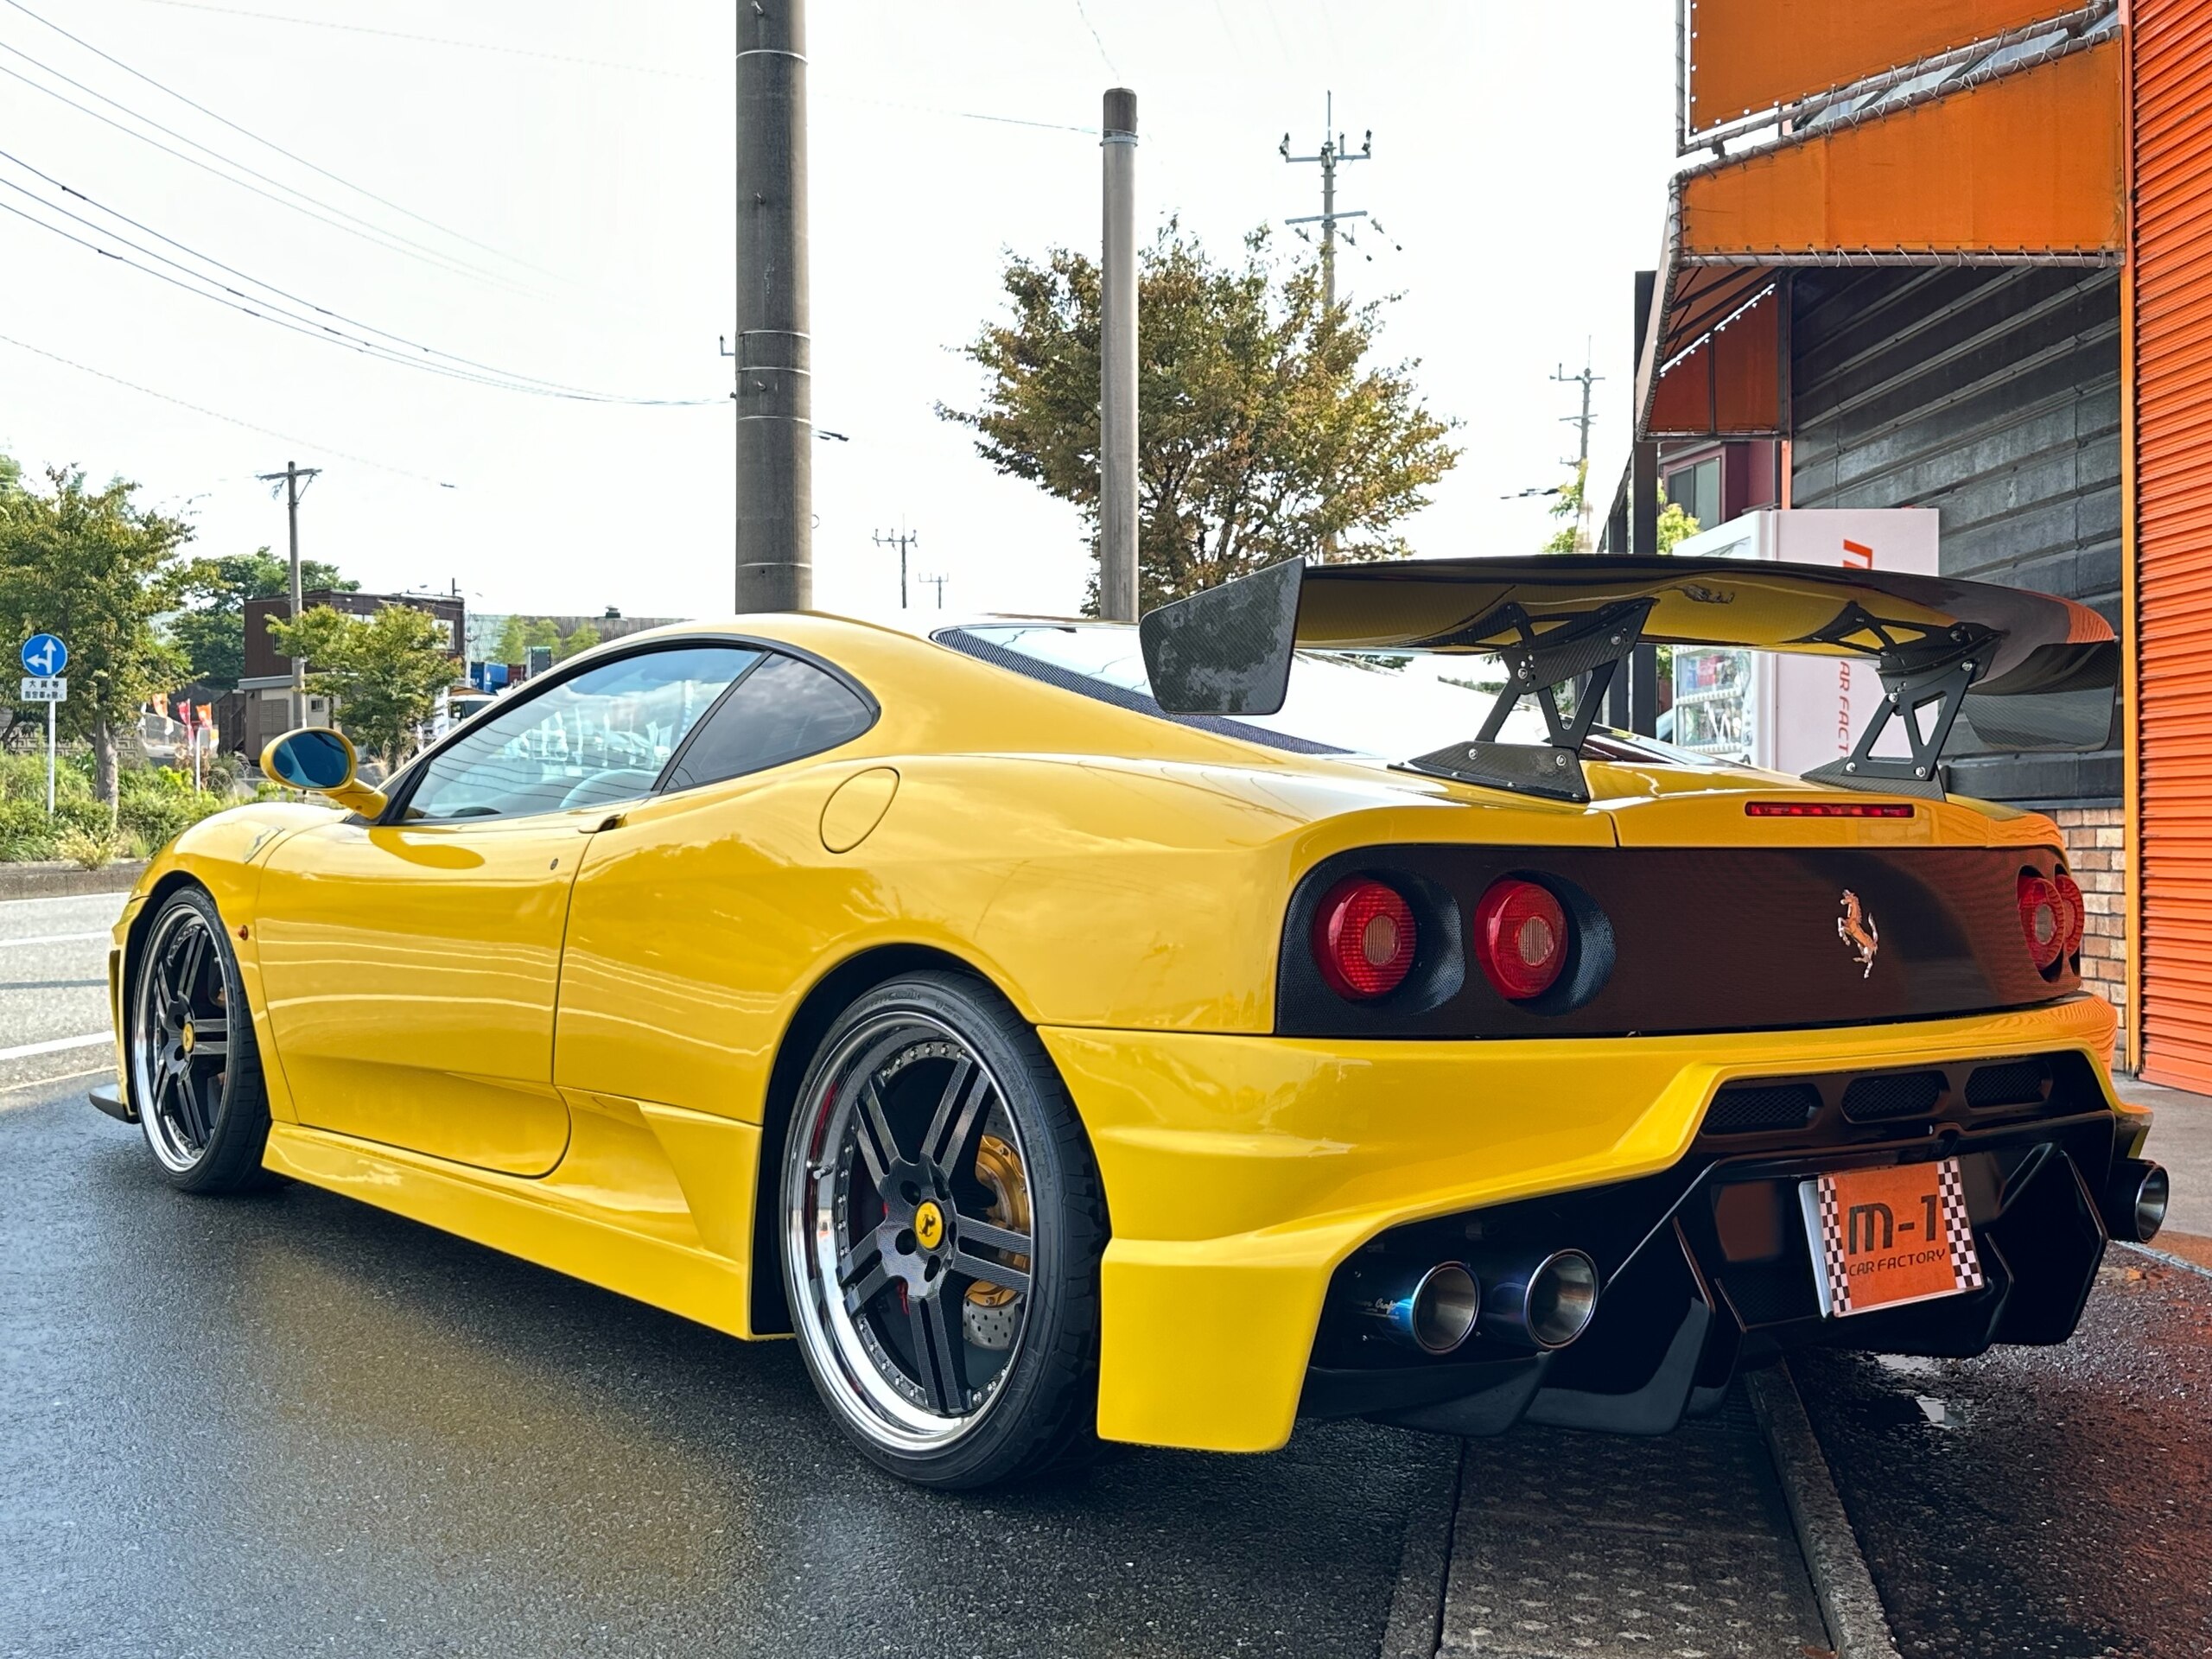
(775, 400)
(903, 540)
(1334, 153)
(291, 479)
(1581, 423)
(1117, 376)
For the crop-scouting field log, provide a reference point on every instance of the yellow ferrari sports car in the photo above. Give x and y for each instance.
(1298, 1004)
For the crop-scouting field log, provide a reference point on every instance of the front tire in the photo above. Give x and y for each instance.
(942, 1226)
(195, 1070)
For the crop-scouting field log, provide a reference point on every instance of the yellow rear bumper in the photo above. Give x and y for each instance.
(1240, 1171)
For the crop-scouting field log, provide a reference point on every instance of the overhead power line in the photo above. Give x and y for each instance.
(217, 415)
(204, 287)
(392, 241)
(270, 144)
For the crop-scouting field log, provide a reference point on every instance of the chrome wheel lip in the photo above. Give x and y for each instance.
(160, 1021)
(840, 1347)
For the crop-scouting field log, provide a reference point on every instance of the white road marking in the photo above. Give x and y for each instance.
(59, 938)
(118, 896)
(56, 1045)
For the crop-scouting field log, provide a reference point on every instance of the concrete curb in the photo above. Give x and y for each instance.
(1414, 1628)
(49, 880)
(1857, 1624)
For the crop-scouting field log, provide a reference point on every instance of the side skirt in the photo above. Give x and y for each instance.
(511, 1214)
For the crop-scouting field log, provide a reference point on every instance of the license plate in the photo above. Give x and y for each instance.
(1884, 1237)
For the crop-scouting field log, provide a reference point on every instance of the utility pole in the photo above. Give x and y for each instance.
(774, 395)
(291, 479)
(1334, 153)
(1581, 463)
(902, 540)
(1117, 376)
(936, 582)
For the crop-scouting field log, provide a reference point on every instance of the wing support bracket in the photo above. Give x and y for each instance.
(1914, 681)
(1589, 648)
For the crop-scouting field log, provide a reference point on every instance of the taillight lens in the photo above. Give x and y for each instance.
(2078, 912)
(1363, 939)
(2045, 921)
(1521, 937)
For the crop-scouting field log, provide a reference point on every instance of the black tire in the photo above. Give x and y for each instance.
(196, 1069)
(979, 1128)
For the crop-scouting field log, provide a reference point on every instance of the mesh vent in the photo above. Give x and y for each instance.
(1769, 1293)
(2016, 1083)
(1896, 1094)
(1770, 1106)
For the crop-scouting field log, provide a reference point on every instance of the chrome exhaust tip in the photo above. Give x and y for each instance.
(2135, 1203)
(1434, 1311)
(1543, 1302)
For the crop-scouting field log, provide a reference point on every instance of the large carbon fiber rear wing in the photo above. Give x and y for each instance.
(1969, 667)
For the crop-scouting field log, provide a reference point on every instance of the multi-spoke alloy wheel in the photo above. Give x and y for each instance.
(195, 1075)
(941, 1231)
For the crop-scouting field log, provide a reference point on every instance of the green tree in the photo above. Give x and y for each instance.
(97, 568)
(521, 633)
(1263, 431)
(383, 673)
(212, 631)
(1568, 505)
(583, 637)
(1676, 523)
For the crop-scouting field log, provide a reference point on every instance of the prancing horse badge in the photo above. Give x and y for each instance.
(1856, 929)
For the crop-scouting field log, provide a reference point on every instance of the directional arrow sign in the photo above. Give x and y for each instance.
(45, 656)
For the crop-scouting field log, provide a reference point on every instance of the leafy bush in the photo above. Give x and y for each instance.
(27, 833)
(23, 777)
(89, 849)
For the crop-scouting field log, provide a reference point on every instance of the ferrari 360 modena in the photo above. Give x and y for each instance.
(1302, 1003)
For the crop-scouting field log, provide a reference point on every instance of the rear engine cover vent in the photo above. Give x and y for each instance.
(1893, 1095)
(1753, 1109)
(2015, 1082)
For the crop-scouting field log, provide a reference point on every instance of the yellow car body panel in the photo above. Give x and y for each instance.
(589, 1095)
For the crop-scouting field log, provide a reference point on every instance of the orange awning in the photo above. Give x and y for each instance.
(2025, 168)
(1746, 56)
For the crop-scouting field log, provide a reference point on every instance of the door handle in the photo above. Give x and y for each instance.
(612, 821)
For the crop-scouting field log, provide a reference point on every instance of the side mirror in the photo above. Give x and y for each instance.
(316, 757)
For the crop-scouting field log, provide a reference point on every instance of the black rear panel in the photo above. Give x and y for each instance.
(1681, 940)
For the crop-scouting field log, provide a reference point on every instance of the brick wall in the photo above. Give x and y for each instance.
(2094, 840)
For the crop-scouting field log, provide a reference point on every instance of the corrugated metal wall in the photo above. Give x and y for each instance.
(2173, 468)
(1992, 394)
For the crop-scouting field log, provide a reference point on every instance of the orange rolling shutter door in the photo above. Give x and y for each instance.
(2173, 469)
(1747, 55)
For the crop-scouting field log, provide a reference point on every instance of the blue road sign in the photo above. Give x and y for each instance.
(45, 656)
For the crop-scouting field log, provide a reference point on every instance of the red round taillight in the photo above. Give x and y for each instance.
(2078, 919)
(1363, 939)
(2045, 919)
(1521, 937)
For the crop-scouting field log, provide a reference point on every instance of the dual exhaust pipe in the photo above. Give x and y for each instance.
(2135, 1201)
(1531, 1301)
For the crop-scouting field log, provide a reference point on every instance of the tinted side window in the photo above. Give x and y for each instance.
(783, 709)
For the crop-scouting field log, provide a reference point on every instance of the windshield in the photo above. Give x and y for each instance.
(1381, 705)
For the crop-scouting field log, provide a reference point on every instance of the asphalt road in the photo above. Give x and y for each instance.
(295, 1425)
(53, 985)
(2039, 1501)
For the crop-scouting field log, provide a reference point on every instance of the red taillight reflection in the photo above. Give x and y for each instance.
(2045, 921)
(1363, 939)
(1521, 937)
(2078, 919)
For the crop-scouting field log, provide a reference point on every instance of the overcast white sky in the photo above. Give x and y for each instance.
(1520, 154)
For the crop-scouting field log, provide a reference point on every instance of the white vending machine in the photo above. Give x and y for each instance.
(1791, 712)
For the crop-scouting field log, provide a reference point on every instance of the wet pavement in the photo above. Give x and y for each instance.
(2039, 1501)
(295, 1425)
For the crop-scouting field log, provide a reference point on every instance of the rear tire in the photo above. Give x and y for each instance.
(941, 1225)
(195, 1070)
